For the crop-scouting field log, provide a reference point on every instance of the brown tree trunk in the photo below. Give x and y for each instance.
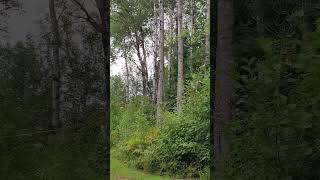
(180, 83)
(104, 11)
(145, 69)
(155, 53)
(142, 67)
(56, 77)
(161, 63)
(223, 111)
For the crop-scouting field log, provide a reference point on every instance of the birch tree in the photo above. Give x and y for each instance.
(161, 62)
(180, 82)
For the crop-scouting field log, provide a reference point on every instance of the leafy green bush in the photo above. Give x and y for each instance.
(275, 134)
(183, 145)
(133, 130)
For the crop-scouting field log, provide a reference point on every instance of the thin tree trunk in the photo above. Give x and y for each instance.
(191, 34)
(223, 111)
(208, 35)
(56, 77)
(142, 68)
(174, 45)
(145, 69)
(161, 63)
(171, 45)
(155, 53)
(169, 61)
(180, 83)
(104, 11)
(127, 75)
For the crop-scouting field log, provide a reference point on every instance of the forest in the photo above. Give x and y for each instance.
(162, 89)
(160, 102)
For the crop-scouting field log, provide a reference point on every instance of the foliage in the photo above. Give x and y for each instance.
(28, 149)
(179, 146)
(274, 134)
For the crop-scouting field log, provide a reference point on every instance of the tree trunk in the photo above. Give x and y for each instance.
(142, 67)
(208, 34)
(172, 45)
(161, 63)
(56, 77)
(145, 69)
(223, 111)
(104, 11)
(191, 34)
(127, 75)
(180, 83)
(169, 55)
(155, 53)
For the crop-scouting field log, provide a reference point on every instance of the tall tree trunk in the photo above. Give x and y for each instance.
(56, 77)
(104, 11)
(145, 69)
(155, 53)
(180, 83)
(223, 102)
(142, 66)
(161, 63)
(169, 55)
(172, 45)
(191, 34)
(127, 75)
(208, 34)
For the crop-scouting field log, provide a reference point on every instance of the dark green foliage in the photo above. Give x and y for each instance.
(275, 132)
(76, 152)
(28, 149)
(23, 110)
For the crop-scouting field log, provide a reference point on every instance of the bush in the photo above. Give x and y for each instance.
(275, 134)
(183, 145)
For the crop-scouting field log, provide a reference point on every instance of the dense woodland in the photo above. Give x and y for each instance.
(254, 101)
(54, 94)
(160, 103)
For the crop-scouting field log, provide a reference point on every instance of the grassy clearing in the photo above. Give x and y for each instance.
(120, 172)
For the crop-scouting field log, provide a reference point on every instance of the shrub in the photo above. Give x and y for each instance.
(183, 145)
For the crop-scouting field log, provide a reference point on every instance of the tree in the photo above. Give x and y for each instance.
(104, 11)
(192, 31)
(161, 63)
(155, 53)
(223, 97)
(180, 83)
(128, 14)
(56, 42)
(208, 34)
(102, 27)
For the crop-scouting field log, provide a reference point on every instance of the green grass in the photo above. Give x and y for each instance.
(121, 172)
